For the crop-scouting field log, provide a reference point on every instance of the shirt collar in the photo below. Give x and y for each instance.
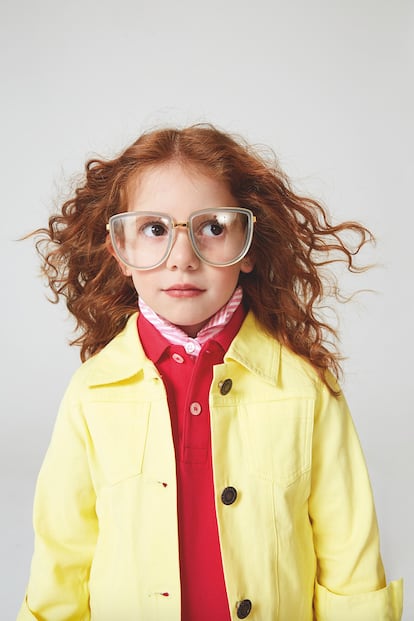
(175, 335)
(156, 343)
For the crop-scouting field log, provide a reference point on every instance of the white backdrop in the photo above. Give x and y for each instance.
(328, 84)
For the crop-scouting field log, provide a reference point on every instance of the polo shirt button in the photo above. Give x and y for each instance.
(189, 347)
(177, 358)
(225, 386)
(229, 495)
(195, 408)
(244, 608)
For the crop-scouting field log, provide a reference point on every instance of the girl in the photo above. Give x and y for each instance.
(204, 465)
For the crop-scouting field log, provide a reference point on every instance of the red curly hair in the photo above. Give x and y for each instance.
(294, 240)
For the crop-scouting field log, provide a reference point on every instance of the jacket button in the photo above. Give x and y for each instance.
(225, 386)
(229, 495)
(243, 608)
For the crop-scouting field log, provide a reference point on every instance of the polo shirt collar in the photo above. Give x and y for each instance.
(155, 344)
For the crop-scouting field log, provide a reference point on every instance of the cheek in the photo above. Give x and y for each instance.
(144, 282)
(227, 278)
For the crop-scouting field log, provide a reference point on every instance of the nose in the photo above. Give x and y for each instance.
(182, 255)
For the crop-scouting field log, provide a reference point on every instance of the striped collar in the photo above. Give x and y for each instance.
(176, 336)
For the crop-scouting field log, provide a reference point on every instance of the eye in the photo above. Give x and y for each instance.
(154, 229)
(212, 228)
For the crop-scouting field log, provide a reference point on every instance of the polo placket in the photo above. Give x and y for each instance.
(187, 380)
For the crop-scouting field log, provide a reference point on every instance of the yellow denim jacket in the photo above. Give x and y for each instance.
(299, 542)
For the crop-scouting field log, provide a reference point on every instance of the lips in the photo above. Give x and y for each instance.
(183, 290)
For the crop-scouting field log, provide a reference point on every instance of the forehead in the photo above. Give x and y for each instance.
(168, 186)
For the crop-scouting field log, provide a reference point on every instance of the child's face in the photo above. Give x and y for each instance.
(183, 290)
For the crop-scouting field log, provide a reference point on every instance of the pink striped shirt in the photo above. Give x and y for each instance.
(176, 336)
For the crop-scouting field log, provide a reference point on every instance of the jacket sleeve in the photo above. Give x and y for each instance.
(65, 526)
(350, 583)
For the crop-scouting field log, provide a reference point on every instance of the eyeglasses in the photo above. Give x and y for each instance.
(220, 237)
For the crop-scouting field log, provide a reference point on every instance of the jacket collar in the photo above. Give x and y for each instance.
(124, 357)
(256, 350)
(121, 359)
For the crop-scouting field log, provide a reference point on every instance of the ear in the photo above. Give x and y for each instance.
(247, 264)
(124, 268)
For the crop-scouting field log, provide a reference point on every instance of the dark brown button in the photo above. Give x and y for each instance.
(225, 386)
(229, 495)
(243, 608)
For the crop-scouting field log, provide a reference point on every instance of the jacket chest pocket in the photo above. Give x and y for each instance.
(279, 439)
(118, 433)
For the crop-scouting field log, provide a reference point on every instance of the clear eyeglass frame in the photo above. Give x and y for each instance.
(173, 225)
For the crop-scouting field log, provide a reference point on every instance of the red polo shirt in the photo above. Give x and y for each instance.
(187, 380)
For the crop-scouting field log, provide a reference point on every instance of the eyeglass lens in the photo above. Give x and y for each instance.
(219, 237)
